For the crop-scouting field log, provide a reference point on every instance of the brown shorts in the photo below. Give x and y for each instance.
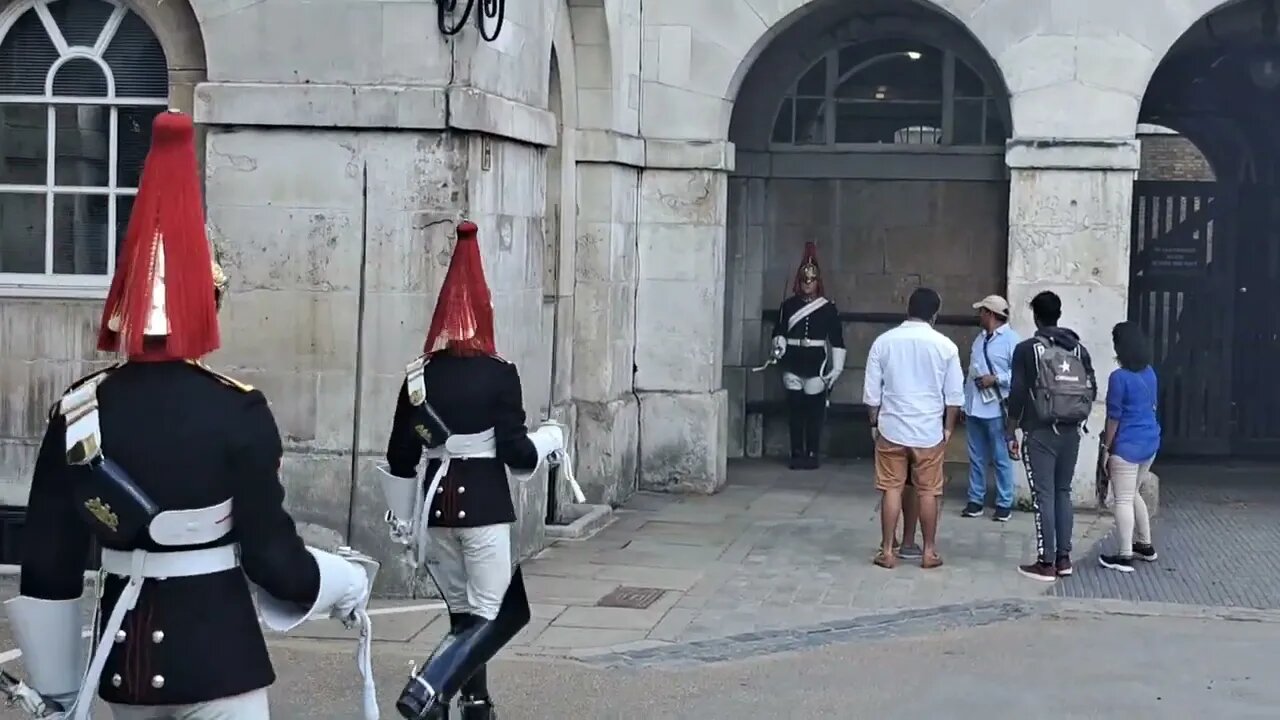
(894, 462)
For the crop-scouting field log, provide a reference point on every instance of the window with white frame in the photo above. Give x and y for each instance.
(80, 82)
(890, 92)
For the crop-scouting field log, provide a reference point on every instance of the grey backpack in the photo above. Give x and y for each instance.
(1061, 392)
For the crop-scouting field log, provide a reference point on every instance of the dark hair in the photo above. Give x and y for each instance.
(1047, 308)
(923, 304)
(1133, 349)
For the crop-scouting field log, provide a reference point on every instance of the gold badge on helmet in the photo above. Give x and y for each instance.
(809, 271)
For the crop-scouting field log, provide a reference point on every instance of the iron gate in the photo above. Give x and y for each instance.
(1182, 293)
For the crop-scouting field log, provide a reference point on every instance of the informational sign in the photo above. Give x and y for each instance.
(1182, 258)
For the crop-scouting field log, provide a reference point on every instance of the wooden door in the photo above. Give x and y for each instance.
(1257, 325)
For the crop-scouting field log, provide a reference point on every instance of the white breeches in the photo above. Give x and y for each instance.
(472, 566)
(250, 706)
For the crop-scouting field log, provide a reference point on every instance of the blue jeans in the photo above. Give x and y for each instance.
(987, 447)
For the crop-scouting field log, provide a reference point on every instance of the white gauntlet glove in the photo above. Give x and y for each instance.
(779, 347)
(548, 438)
(837, 367)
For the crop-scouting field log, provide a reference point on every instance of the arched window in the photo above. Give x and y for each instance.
(895, 92)
(80, 81)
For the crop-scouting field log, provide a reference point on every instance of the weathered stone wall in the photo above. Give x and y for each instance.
(328, 303)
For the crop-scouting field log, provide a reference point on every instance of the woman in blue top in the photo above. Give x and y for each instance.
(1131, 441)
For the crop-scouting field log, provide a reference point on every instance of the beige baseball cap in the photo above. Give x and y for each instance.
(995, 304)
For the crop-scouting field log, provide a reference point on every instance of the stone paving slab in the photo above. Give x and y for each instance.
(776, 550)
(1218, 540)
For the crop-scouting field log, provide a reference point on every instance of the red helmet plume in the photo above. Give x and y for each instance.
(463, 320)
(163, 288)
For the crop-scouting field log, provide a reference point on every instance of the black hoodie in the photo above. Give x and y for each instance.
(1022, 414)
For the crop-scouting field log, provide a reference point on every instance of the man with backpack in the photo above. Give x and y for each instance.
(1050, 397)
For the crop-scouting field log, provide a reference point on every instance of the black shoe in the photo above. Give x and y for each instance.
(1145, 552)
(1116, 562)
(1063, 566)
(477, 709)
(812, 462)
(797, 462)
(1042, 571)
(1002, 514)
(973, 509)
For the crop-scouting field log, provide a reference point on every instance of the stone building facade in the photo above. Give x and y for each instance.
(644, 174)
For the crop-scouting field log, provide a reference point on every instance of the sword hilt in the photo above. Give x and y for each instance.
(23, 696)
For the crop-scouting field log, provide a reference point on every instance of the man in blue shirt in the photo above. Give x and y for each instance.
(985, 389)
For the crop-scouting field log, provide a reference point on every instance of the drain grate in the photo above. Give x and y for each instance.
(633, 598)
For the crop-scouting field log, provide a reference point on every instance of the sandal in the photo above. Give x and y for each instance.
(887, 562)
(932, 561)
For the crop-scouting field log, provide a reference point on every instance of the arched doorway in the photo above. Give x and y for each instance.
(1205, 263)
(878, 132)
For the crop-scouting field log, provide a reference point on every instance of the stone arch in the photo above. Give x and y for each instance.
(174, 24)
(1205, 251)
(559, 240)
(176, 27)
(890, 206)
(829, 21)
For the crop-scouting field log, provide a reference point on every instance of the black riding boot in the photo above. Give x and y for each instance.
(474, 702)
(796, 413)
(461, 656)
(815, 416)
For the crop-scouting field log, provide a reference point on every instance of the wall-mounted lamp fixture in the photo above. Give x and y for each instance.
(492, 10)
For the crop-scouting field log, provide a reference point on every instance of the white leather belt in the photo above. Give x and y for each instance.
(185, 528)
(180, 563)
(805, 342)
(462, 447)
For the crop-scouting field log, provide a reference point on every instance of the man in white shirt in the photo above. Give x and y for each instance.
(913, 382)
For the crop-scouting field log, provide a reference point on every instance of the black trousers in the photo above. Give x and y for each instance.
(1049, 456)
(806, 414)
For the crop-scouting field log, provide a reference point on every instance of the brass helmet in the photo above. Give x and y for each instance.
(809, 272)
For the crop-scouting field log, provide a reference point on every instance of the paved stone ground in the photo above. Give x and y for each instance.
(1082, 664)
(770, 607)
(775, 550)
(1218, 540)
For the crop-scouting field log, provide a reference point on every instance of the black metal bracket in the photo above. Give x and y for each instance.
(491, 10)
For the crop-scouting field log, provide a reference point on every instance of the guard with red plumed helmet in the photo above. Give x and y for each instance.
(461, 405)
(808, 342)
(174, 469)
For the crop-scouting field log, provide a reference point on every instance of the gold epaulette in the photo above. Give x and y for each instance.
(95, 375)
(224, 379)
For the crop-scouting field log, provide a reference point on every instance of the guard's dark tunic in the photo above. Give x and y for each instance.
(190, 439)
(821, 325)
(471, 395)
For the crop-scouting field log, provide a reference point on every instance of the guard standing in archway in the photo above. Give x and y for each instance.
(809, 343)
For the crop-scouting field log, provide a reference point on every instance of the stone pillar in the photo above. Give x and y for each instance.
(680, 318)
(1070, 210)
(604, 315)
